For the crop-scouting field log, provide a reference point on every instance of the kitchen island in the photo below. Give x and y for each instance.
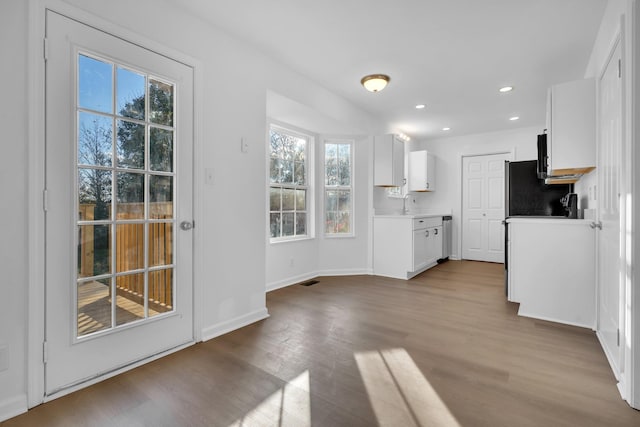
(551, 269)
(405, 245)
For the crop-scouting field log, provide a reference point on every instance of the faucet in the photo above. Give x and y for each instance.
(405, 210)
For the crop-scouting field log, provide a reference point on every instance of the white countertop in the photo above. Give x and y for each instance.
(547, 220)
(411, 215)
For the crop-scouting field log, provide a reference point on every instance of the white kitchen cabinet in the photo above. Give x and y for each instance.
(571, 119)
(551, 269)
(422, 171)
(406, 245)
(388, 154)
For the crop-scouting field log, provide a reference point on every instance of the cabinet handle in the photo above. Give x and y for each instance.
(436, 231)
(426, 233)
(427, 185)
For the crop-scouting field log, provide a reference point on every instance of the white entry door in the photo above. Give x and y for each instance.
(483, 207)
(118, 177)
(610, 279)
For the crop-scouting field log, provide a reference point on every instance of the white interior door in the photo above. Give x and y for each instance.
(118, 176)
(483, 207)
(609, 210)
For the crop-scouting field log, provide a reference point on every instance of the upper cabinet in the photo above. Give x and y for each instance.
(422, 171)
(388, 154)
(571, 121)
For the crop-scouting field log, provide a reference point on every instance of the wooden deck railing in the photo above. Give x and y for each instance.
(130, 254)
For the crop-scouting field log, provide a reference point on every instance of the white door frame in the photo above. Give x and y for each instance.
(36, 178)
(510, 153)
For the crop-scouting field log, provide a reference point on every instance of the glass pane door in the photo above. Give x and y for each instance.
(124, 195)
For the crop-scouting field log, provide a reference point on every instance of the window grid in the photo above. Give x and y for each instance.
(289, 187)
(338, 188)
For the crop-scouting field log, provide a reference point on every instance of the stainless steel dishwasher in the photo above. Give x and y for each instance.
(446, 238)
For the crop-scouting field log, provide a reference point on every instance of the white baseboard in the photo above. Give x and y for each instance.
(290, 281)
(321, 273)
(13, 406)
(524, 313)
(609, 356)
(222, 328)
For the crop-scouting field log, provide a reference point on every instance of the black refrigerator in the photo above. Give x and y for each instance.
(527, 195)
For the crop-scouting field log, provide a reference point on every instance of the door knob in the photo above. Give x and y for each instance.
(186, 225)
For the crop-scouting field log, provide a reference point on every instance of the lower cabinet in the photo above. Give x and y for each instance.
(404, 246)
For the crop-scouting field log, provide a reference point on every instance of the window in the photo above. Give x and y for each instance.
(338, 188)
(289, 199)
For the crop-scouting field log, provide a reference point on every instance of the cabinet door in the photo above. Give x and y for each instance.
(435, 244)
(421, 239)
(421, 171)
(388, 169)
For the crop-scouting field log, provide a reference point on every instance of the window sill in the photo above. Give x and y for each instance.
(289, 240)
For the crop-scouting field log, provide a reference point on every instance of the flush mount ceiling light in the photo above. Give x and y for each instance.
(375, 82)
(506, 89)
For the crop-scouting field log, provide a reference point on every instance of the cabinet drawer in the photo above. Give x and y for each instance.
(419, 223)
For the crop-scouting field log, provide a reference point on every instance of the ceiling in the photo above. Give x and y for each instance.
(451, 55)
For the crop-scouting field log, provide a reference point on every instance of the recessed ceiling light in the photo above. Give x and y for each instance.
(514, 118)
(506, 89)
(445, 129)
(420, 106)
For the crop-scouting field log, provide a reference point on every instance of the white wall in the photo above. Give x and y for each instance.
(13, 219)
(233, 80)
(449, 151)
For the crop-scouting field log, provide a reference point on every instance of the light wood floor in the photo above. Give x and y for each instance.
(443, 349)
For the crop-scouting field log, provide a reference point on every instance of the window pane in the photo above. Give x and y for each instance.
(130, 94)
(331, 167)
(161, 103)
(286, 176)
(94, 306)
(301, 200)
(94, 250)
(300, 177)
(130, 196)
(275, 166)
(160, 244)
(343, 222)
(331, 201)
(275, 224)
(130, 299)
(95, 84)
(130, 144)
(288, 223)
(161, 149)
(274, 198)
(160, 291)
(160, 197)
(129, 247)
(288, 199)
(94, 194)
(344, 201)
(301, 224)
(95, 139)
(330, 224)
(344, 164)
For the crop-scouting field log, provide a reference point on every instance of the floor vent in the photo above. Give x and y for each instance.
(309, 282)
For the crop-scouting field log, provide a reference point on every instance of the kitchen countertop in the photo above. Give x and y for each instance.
(410, 215)
(546, 220)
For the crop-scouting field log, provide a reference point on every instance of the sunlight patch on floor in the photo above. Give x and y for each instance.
(289, 406)
(399, 393)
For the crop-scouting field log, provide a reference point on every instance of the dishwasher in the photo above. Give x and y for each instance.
(446, 238)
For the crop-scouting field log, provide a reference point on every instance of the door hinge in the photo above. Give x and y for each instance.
(45, 48)
(45, 200)
(45, 352)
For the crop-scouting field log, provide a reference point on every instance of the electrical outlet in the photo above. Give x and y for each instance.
(244, 145)
(4, 358)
